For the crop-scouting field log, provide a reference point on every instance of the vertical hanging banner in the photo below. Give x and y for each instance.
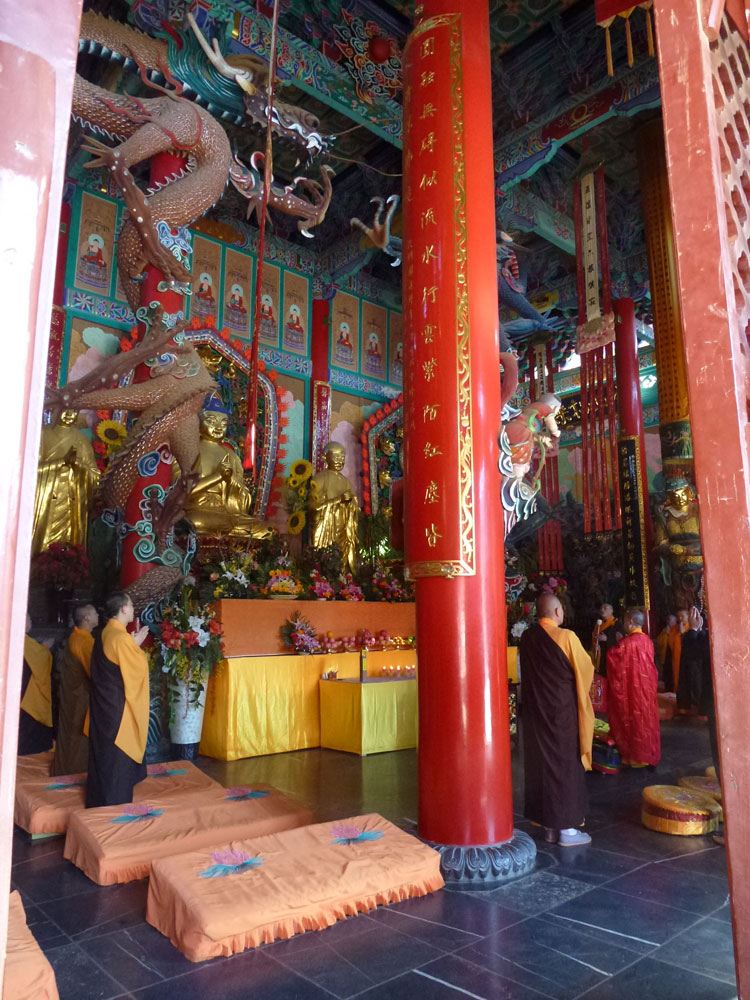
(269, 305)
(238, 280)
(595, 335)
(345, 332)
(438, 383)
(634, 547)
(206, 278)
(373, 340)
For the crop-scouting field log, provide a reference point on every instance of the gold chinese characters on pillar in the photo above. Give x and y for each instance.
(438, 378)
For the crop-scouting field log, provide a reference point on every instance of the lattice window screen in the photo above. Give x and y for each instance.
(730, 61)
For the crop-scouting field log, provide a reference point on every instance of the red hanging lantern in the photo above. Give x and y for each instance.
(379, 49)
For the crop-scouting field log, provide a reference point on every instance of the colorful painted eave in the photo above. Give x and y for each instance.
(318, 76)
(525, 151)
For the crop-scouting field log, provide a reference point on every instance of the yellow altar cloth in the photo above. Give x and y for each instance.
(267, 704)
(371, 717)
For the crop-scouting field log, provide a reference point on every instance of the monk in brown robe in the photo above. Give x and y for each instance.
(119, 705)
(71, 743)
(35, 719)
(558, 725)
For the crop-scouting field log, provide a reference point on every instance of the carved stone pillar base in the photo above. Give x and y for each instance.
(487, 866)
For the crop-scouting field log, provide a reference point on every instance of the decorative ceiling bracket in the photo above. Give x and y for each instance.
(311, 71)
(521, 209)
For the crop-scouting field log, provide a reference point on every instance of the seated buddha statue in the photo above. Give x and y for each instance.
(66, 480)
(219, 503)
(334, 511)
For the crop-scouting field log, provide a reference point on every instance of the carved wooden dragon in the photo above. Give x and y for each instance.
(146, 127)
(249, 182)
(380, 230)
(168, 404)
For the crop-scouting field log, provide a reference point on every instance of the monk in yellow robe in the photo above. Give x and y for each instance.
(119, 707)
(558, 725)
(35, 720)
(71, 743)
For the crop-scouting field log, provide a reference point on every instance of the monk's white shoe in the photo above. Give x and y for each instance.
(576, 839)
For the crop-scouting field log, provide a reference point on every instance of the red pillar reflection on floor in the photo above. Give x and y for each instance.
(454, 540)
(161, 167)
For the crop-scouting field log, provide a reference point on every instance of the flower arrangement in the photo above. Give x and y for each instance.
(296, 488)
(281, 580)
(298, 634)
(237, 577)
(386, 586)
(188, 645)
(62, 566)
(547, 583)
(320, 588)
(348, 589)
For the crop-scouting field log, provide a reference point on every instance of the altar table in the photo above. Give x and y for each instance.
(367, 717)
(257, 705)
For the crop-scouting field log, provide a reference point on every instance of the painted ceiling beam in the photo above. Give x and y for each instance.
(318, 76)
(523, 152)
(524, 210)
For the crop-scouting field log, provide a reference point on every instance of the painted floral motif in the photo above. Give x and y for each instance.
(67, 781)
(345, 834)
(162, 771)
(229, 862)
(135, 811)
(242, 792)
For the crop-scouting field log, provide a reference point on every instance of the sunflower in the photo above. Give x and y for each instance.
(301, 469)
(293, 482)
(111, 433)
(296, 522)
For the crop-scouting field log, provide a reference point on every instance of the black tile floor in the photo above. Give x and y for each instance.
(635, 915)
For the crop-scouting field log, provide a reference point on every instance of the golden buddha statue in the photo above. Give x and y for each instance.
(334, 511)
(219, 503)
(66, 480)
(678, 542)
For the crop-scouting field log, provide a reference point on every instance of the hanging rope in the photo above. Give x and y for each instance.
(251, 434)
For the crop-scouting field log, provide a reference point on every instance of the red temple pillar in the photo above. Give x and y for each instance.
(637, 533)
(320, 424)
(38, 47)
(135, 561)
(708, 162)
(454, 530)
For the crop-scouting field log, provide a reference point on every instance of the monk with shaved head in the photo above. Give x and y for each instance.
(558, 725)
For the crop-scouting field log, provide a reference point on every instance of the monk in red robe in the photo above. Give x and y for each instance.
(633, 709)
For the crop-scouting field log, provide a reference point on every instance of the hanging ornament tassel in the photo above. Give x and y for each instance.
(629, 41)
(649, 33)
(608, 40)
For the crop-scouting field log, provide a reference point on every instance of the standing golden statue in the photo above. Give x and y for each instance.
(219, 503)
(334, 511)
(678, 542)
(66, 480)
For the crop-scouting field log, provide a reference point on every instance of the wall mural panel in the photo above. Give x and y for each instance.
(96, 243)
(269, 305)
(374, 340)
(291, 395)
(296, 317)
(237, 296)
(345, 332)
(396, 349)
(206, 268)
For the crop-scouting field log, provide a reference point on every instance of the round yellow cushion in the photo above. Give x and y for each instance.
(679, 811)
(699, 783)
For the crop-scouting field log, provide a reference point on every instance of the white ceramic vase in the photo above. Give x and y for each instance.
(187, 718)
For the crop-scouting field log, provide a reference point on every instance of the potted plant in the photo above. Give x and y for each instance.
(188, 649)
